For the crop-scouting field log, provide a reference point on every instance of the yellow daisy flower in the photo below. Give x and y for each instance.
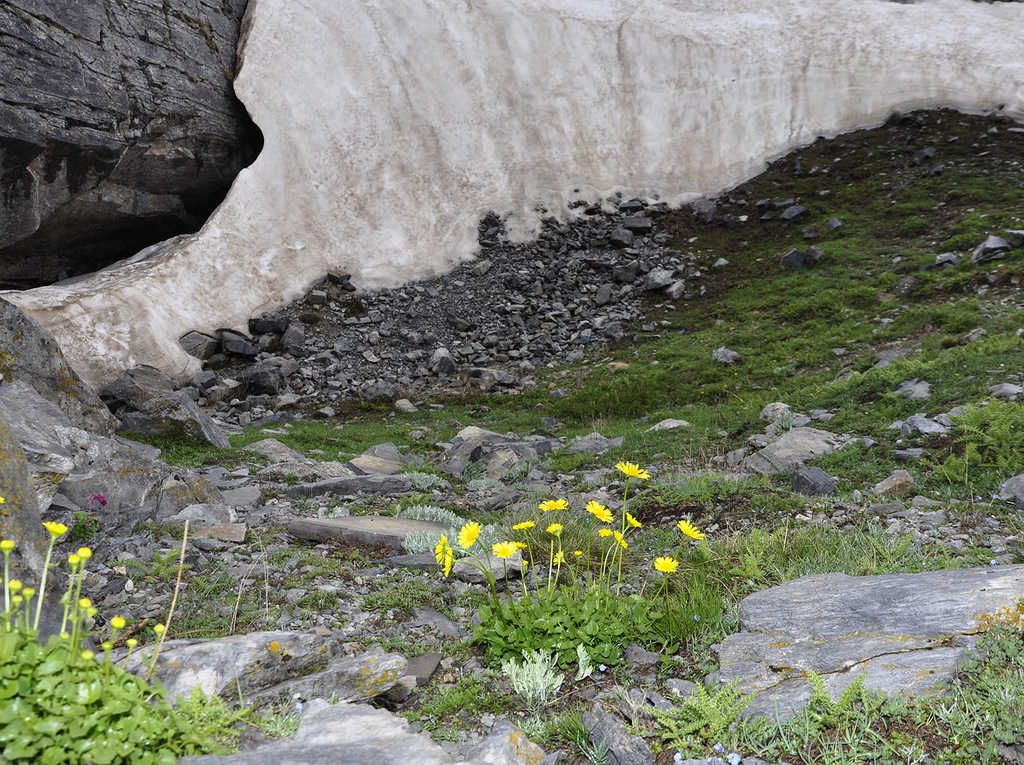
(666, 565)
(468, 535)
(633, 521)
(524, 525)
(55, 529)
(444, 555)
(553, 504)
(504, 549)
(6, 545)
(622, 542)
(690, 530)
(605, 532)
(559, 559)
(554, 528)
(600, 512)
(633, 470)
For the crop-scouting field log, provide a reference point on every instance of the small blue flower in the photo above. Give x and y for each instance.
(719, 748)
(677, 757)
(602, 668)
(696, 617)
(734, 759)
(993, 562)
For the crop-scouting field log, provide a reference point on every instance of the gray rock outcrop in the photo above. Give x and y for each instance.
(120, 128)
(28, 353)
(77, 464)
(20, 522)
(902, 633)
(791, 450)
(355, 734)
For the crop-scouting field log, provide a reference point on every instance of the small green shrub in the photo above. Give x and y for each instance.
(63, 704)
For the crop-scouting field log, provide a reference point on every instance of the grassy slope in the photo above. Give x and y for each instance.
(896, 215)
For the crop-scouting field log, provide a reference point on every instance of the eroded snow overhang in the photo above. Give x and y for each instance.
(390, 128)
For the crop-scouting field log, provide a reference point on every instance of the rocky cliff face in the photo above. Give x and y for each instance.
(392, 128)
(118, 128)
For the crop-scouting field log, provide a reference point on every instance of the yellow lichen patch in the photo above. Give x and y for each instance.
(1010, 616)
(274, 647)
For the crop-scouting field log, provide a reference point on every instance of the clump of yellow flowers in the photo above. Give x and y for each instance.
(592, 575)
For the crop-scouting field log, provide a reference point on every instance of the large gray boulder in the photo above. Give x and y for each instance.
(791, 450)
(28, 353)
(271, 666)
(20, 522)
(353, 734)
(78, 464)
(119, 129)
(903, 633)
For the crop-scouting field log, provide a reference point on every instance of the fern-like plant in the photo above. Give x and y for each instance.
(702, 718)
(989, 437)
(853, 708)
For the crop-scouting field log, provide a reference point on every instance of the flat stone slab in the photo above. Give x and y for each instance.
(791, 450)
(359, 484)
(903, 633)
(355, 734)
(362, 529)
(367, 465)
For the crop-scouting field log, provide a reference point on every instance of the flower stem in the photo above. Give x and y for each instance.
(42, 583)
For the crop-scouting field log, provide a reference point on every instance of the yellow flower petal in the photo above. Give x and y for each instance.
(553, 504)
(444, 555)
(666, 565)
(633, 521)
(690, 530)
(504, 549)
(468, 535)
(524, 525)
(600, 512)
(559, 559)
(605, 532)
(621, 540)
(55, 529)
(633, 470)
(554, 528)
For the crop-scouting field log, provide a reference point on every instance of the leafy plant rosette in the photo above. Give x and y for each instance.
(60, 702)
(581, 600)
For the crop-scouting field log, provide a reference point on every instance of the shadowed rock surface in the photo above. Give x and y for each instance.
(118, 128)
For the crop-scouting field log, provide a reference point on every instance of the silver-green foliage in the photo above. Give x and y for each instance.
(420, 542)
(483, 483)
(427, 481)
(586, 666)
(535, 679)
(432, 513)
